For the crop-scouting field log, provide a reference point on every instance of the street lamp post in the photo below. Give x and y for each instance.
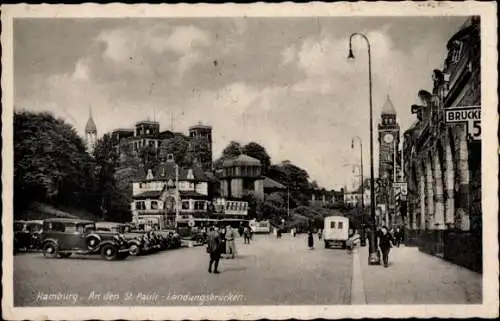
(374, 257)
(363, 236)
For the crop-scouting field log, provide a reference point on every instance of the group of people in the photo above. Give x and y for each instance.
(221, 242)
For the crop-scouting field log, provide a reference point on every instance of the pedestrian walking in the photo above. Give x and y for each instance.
(213, 249)
(310, 240)
(222, 236)
(397, 237)
(246, 235)
(385, 243)
(320, 234)
(278, 233)
(293, 231)
(230, 242)
(241, 230)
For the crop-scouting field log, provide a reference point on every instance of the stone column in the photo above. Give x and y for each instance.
(449, 186)
(429, 215)
(422, 198)
(413, 198)
(438, 194)
(462, 212)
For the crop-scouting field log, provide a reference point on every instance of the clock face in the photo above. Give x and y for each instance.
(388, 138)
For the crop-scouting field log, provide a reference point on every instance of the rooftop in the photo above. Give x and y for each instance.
(388, 108)
(90, 127)
(241, 160)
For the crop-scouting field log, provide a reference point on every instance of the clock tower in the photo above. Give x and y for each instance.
(388, 139)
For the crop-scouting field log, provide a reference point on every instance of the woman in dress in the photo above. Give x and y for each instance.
(310, 240)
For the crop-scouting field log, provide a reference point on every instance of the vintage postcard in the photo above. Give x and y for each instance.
(322, 160)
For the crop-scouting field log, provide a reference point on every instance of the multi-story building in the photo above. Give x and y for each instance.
(160, 193)
(147, 133)
(442, 160)
(201, 144)
(353, 198)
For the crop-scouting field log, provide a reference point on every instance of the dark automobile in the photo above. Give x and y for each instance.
(136, 241)
(61, 237)
(169, 239)
(27, 235)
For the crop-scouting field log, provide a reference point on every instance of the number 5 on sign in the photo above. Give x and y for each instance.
(474, 129)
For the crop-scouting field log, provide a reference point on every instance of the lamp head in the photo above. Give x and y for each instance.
(350, 56)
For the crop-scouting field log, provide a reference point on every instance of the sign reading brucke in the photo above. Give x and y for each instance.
(471, 115)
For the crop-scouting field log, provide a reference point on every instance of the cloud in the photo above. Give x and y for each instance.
(186, 38)
(296, 95)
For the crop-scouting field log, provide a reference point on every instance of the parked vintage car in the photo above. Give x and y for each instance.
(136, 241)
(62, 237)
(27, 235)
(170, 239)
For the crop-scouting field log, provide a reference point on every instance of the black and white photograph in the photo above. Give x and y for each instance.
(230, 161)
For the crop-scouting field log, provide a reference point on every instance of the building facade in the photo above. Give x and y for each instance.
(147, 134)
(442, 160)
(201, 141)
(167, 194)
(241, 176)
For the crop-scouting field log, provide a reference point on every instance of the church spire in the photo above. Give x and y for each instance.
(90, 128)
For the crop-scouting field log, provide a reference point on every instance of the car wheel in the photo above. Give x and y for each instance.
(64, 255)
(109, 252)
(92, 242)
(50, 250)
(134, 250)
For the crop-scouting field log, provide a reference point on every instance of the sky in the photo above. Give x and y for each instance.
(284, 83)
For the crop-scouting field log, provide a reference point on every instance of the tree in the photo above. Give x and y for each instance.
(198, 150)
(149, 156)
(295, 178)
(257, 151)
(50, 163)
(178, 147)
(233, 149)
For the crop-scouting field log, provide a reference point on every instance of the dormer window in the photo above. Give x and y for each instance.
(190, 174)
(456, 51)
(150, 174)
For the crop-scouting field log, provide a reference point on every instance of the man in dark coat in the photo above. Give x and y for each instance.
(213, 249)
(385, 243)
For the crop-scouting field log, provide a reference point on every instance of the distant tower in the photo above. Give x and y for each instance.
(388, 138)
(201, 139)
(90, 134)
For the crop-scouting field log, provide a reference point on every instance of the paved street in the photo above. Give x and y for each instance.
(414, 277)
(268, 271)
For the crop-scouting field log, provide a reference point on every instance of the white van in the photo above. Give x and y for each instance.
(336, 231)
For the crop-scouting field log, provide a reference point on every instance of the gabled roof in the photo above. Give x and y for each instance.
(271, 183)
(388, 108)
(241, 160)
(166, 171)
